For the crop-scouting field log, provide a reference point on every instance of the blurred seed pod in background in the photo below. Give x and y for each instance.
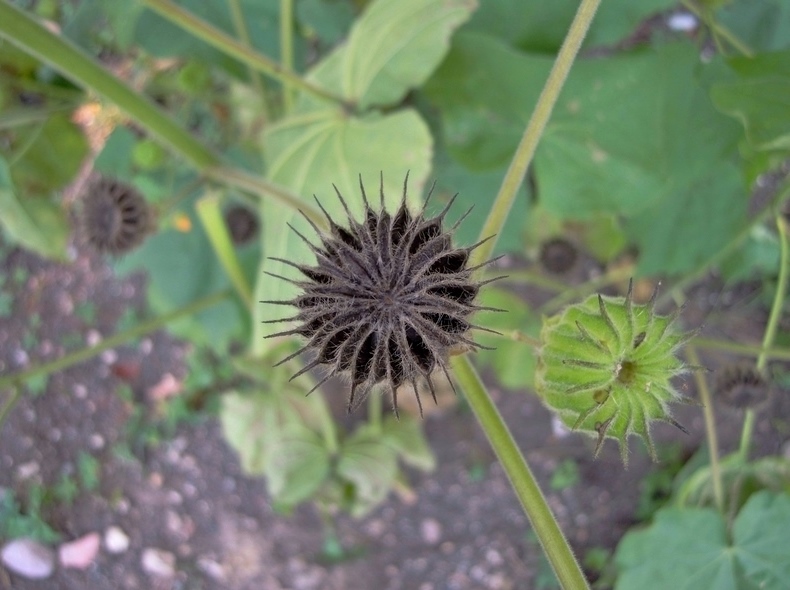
(242, 224)
(113, 216)
(388, 300)
(558, 255)
(741, 386)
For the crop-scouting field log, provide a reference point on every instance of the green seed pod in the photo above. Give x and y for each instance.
(606, 367)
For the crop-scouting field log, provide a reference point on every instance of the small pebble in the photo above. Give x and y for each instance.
(80, 553)
(28, 558)
(115, 540)
(159, 563)
(431, 531)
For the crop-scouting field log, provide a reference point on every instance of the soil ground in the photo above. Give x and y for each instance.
(187, 498)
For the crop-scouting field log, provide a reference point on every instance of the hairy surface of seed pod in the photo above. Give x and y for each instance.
(114, 217)
(388, 299)
(606, 366)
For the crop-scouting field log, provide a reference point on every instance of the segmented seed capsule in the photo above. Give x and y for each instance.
(388, 300)
(114, 216)
(606, 367)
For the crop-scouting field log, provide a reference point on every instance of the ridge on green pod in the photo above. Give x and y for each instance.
(606, 367)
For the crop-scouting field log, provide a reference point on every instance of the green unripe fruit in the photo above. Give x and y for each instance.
(606, 367)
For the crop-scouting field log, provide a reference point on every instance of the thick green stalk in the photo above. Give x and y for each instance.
(552, 540)
(537, 123)
(227, 44)
(710, 428)
(16, 379)
(770, 329)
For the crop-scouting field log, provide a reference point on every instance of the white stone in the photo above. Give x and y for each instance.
(431, 531)
(115, 540)
(29, 559)
(80, 553)
(158, 562)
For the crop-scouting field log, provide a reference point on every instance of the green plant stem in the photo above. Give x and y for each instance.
(78, 356)
(286, 47)
(770, 329)
(537, 123)
(710, 427)
(237, 15)
(718, 29)
(72, 62)
(781, 354)
(552, 540)
(227, 44)
(374, 410)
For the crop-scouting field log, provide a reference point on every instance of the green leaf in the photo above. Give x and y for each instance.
(513, 361)
(394, 46)
(687, 549)
(406, 436)
(255, 423)
(763, 25)
(296, 465)
(541, 26)
(663, 137)
(35, 223)
(690, 225)
(759, 99)
(47, 157)
(370, 464)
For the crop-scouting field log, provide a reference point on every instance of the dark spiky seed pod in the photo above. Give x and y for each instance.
(557, 255)
(114, 217)
(388, 299)
(741, 386)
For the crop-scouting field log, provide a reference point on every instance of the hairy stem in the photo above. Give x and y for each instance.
(537, 123)
(710, 427)
(83, 354)
(770, 329)
(227, 44)
(552, 540)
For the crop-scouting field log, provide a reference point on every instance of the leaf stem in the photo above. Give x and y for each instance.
(554, 544)
(710, 427)
(754, 350)
(537, 123)
(707, 17)
(227, 44)
(237, 15)
(16, 379)
(613, 275)
(770, 329)
(286, 47)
